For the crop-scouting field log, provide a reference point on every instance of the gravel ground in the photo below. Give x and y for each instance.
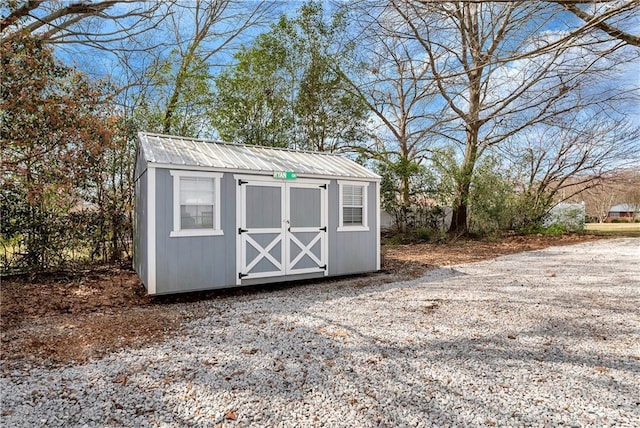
(544, 338)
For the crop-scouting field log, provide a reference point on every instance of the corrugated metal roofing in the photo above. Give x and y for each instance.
(172, 150)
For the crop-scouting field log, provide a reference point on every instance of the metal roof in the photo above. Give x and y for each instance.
(172, 150)
(624, 208)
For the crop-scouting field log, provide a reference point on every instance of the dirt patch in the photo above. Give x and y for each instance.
(72, 293)
(74, 316)
(64, 317)
(63, 338)
(469, 251)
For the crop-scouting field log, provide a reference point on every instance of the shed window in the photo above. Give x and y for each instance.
(353, 206)
(196, 203)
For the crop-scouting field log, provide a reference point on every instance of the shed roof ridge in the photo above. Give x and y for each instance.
(250, 146)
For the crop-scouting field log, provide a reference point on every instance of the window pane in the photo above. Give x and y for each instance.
(194, 191)
(352, 195)
(352, 216)
(196, 216)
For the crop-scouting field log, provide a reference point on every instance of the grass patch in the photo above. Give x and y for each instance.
(614, 228)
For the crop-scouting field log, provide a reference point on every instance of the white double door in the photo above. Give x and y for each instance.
(282, 227)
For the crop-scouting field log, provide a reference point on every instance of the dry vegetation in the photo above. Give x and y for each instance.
(68, 317)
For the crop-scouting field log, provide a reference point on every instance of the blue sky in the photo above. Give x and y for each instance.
(99, 63)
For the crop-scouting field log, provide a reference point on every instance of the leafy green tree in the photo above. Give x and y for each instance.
(176, 98)
(252, 98)
(285, 89)
(494, 203)
(328, 114)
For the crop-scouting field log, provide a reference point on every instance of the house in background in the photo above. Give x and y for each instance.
(623, 212)
(213, 215)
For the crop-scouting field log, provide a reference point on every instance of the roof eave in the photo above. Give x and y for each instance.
(372, 177)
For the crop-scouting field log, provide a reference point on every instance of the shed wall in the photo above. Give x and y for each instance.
(352, 252)
(209, 262)
(194, 263)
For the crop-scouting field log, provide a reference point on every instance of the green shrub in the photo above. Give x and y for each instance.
(554, 230)
(394, 240)
(423, 233)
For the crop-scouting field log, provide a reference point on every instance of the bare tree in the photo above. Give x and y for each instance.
(612, 17)
(560, 161)
(177, 80)
(97, 24)
(500, 74)
(396, 85)
(621, 186)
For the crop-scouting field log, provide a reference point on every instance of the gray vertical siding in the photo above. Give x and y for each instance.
(352, 252)
(305, 207)
(209, 262)
(140, 251)
(194, 263)
(264, 206)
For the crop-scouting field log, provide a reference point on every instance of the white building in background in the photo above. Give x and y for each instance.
(571, 216)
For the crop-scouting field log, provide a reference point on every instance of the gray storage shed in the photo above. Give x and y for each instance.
(213, 215)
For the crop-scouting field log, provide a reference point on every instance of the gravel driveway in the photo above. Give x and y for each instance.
(543, 338)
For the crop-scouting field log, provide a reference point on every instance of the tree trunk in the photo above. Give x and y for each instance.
(181, 78)
(405, 203)
(459, 220)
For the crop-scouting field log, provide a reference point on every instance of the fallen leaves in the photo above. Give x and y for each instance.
(466, 251)
(234, 374)
(121, 379)
(332, 332)
(63, 338)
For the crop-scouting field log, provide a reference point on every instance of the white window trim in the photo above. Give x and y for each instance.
(365, 199)
(177, 232)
